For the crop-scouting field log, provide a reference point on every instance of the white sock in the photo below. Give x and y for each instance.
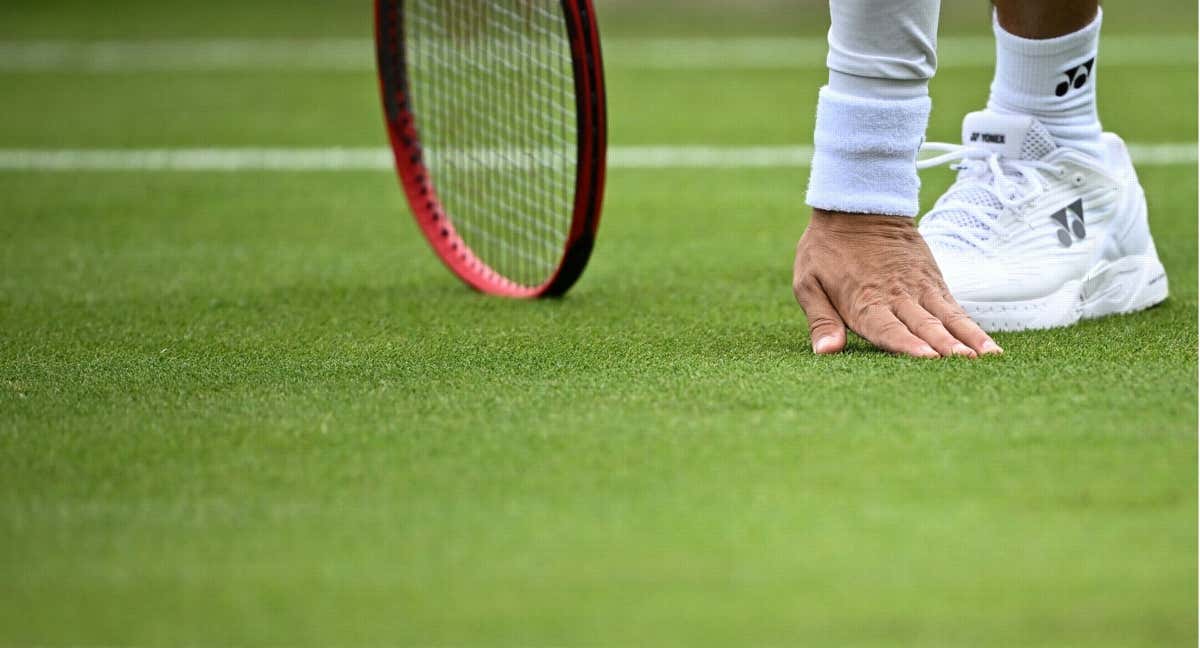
(1053, 80)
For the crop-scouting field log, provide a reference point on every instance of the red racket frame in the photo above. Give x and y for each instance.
(420, 188)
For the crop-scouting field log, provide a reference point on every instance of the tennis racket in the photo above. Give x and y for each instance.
(496, 114)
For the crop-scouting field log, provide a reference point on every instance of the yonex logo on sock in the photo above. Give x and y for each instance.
(1077, 77)
(1070, 218)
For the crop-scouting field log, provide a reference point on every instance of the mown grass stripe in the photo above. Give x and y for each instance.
(357, 54)
(380, 159)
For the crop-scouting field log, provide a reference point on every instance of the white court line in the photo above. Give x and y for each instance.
(356, 54)
(794, 53)
(380, 159)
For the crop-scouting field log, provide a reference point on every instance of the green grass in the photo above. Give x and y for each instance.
(253, 410)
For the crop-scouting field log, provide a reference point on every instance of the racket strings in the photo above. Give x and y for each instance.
(492, 87)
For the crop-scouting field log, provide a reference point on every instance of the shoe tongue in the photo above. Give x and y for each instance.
(1014, 137)
(1018, 137)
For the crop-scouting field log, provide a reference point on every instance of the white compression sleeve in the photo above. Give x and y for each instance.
(872, 117)
(883, 49)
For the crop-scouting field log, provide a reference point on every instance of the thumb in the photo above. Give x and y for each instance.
(825, 326)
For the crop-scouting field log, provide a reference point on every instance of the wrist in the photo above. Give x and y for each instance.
(851, 223)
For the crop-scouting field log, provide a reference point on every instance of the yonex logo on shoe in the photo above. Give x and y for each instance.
(988, 138)
(1070, 218)
(1077, 77)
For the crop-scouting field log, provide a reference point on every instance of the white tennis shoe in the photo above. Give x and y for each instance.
(1033, 235)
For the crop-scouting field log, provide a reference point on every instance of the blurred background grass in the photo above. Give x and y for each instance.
(266, 18)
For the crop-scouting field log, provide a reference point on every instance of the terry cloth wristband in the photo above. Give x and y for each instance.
(865, 154)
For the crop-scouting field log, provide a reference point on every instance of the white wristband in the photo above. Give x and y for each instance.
(865, 154)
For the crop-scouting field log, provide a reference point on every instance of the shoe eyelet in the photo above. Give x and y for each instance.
(1078, 179)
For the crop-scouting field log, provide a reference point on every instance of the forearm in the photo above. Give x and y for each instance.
(871, 118)
(883, 49)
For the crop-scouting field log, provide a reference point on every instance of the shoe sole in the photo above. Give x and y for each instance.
(1127, 285)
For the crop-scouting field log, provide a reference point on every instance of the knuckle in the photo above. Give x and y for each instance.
(957, 320)
(866, 313)
(869, 287)
(888, 329)
(935, 294)
(821, 323)
(957, 317)
(929, 325)
(897, 292)
(931, 277)
(870, 296)
(804, 283)
(940, 302)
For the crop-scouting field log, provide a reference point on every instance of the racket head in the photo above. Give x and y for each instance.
(470, 254)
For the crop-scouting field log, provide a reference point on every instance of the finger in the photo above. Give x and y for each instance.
(825, 326)
(879, 325)
(929, 328)
(960, 324)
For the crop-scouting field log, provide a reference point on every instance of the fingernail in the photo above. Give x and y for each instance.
(963, 350)
(992, 347)
(927, 352)
(825, 345)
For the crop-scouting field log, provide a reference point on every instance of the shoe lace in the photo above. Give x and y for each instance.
(987, 184)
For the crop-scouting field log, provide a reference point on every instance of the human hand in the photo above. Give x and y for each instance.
(875, 275)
